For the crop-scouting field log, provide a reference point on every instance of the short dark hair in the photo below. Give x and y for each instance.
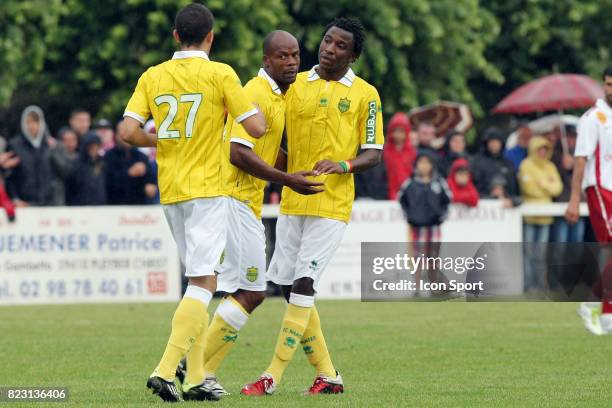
(77, 111)
(607, 73)
(353, 26)
(193, 23)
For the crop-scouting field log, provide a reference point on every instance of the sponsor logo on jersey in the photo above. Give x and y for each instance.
(371, 123)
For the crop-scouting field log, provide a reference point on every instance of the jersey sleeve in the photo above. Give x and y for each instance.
(238, 134)
(138, 106)
(586, 143)
(371, 122)
(238, 104)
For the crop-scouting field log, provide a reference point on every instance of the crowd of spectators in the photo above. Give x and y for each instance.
(81, 165)
(87, 164)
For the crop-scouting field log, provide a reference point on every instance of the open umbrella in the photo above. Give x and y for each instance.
(444, 116)
(552, 93)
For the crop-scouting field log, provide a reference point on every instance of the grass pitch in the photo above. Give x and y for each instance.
(449, 354)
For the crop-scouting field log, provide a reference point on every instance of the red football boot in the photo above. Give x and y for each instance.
(325, 385)
(263, 386)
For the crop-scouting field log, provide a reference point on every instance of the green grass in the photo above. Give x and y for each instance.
(449, 354)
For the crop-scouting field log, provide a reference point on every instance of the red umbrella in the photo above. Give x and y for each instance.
(552, 93)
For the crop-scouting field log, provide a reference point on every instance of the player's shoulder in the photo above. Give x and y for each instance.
(364, 86)
(596, 115)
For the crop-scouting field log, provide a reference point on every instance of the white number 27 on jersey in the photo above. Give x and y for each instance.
(164, 132)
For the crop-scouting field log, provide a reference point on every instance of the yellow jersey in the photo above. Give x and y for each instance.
(187, 97)
(329, 120)
(242, 186)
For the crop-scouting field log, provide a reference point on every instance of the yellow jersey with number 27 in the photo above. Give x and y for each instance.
(187, 97)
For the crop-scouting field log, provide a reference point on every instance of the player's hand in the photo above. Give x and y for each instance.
(137, 170)
(9, 160)
(327, 167)
(572, 213)
(300, 184)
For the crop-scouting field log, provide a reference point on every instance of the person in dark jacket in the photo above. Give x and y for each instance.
(86, 185)
(490, 163)
(7, 162)
(460, 184)
(41, 170)
(519, 152)
(454, 148)
(129, 177)
(424, 199)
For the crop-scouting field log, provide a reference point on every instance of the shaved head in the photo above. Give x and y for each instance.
(278, 39)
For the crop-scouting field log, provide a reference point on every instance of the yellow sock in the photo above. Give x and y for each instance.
(315, 348)
(291, 333)
(190, 318)
(222, 333)
(195, 359)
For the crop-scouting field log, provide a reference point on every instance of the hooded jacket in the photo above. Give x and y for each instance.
(424, 203)
(398, 163)
(486, 166)
(539, 178)
(467, 194)
(35, 179)
(86, 185)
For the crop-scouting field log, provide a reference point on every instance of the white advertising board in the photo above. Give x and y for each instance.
(86, 255)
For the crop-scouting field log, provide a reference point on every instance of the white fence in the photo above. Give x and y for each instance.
(126, 254)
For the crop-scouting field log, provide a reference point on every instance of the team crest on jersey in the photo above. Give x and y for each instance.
(344, 105)
(323, 102)
(252, 273)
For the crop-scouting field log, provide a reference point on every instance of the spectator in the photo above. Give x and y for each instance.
(454, 148)
(497, 190)
(460, 184)
(80, 122)
(128, 176)
(540, 183)
(561, 230)
(424, 198)
(398, 153)
(519, 152)
(69, 139)
(490, 164)
(104, 129)
(425, 135)
(34, 180)
(86, 184)
(7, 162)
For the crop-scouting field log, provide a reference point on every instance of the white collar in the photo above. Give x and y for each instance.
(275, 88)
(346, 80)
(190, 54)
(603, 105)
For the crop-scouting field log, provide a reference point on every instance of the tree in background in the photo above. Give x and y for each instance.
(66, 53)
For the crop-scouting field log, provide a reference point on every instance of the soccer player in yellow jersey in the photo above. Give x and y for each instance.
(187, 97)
(252, 162)
(331, 114)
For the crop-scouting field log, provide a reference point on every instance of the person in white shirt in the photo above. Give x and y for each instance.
(593, 174)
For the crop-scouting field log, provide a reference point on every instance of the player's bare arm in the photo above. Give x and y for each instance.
(247, 160)
(366, 160)
(572, 212)
(131, 132)
(255, 125)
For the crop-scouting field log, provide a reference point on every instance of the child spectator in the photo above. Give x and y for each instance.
(460, 183)
(424, 199)
(398, 153)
